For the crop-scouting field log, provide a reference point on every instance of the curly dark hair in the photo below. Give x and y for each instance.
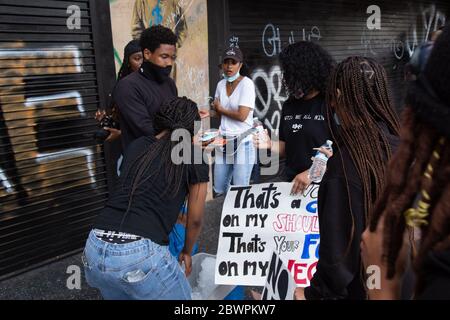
(305, 65)
(153, 37)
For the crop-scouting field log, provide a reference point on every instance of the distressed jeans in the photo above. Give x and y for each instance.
(139, 270)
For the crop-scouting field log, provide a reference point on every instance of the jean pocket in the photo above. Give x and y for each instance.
(84, 260)
(141, 281)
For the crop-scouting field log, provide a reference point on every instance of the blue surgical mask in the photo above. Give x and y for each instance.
(232, 78)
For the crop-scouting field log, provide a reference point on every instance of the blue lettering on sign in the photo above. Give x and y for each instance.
(312, 207)
(310, 239)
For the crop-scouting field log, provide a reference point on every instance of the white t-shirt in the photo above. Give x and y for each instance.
(243, 95)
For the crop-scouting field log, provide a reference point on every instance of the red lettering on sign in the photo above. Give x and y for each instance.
(301, 271)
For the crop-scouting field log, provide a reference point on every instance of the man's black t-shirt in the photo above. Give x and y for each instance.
(303, 126)
(154, 209)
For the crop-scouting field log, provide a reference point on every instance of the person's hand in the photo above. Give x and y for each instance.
(301, 182)
(372, 255)
(325, 151)
(202, 143)
(216, 105)
(262, 140)
(187, 259)
(299, 294)
(207, 143)
(113, 134)
(204, 113)
(99, 115)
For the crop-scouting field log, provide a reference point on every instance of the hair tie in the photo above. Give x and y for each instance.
(416, 217)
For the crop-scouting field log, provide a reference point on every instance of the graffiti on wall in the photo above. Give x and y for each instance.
(372, 43)
(272, 38)
(269, 92)
(399, 44)
(428, 19)
(36, 160)
(188, 19)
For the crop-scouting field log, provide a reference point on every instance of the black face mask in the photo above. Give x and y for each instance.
(300, 93)
(160, 74)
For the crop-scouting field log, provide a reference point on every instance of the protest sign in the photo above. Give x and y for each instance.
(279, 285)
(259, 219)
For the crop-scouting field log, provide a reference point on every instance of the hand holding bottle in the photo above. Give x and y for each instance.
(319, 165)
(325, 151)
(300, 183)
(261, 138)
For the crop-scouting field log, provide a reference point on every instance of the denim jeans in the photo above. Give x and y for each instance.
(139, 270)
(237, 167)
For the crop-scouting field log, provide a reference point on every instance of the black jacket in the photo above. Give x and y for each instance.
(338, 274)
(436, 272)
(138, 97)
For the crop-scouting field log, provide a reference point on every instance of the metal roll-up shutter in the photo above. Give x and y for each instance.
(263, 28)
(52, 173)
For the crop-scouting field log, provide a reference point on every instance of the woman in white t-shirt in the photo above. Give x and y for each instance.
(234, 103)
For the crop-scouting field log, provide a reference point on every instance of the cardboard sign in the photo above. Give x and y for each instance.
(279, 285)
(260, 219)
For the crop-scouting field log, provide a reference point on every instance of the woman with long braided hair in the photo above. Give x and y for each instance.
(127, 254)
(365, 134)
(416, 199)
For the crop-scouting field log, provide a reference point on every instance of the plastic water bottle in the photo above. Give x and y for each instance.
(319, 165)
(257, 124)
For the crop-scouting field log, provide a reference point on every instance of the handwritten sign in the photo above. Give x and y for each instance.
(280, 285)
(260, 219)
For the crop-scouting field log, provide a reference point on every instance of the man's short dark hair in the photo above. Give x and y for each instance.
(153, 37)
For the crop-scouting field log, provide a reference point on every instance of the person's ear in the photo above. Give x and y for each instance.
(147, 54)
(338, 93)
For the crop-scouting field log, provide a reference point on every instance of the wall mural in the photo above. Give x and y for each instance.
(188, 19)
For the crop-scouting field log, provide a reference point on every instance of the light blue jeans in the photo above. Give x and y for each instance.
(139, 270)
(237, 167)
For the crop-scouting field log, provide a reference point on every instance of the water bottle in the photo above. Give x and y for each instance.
(257, 124)
(319, 165)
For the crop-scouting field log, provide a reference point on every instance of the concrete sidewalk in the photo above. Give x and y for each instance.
(50, 281)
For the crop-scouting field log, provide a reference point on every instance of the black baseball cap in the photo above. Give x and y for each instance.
(233, 53)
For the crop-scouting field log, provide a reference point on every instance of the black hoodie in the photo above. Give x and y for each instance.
(338, 274)
(138, 97)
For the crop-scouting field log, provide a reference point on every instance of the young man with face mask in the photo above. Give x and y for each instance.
(140, 95)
